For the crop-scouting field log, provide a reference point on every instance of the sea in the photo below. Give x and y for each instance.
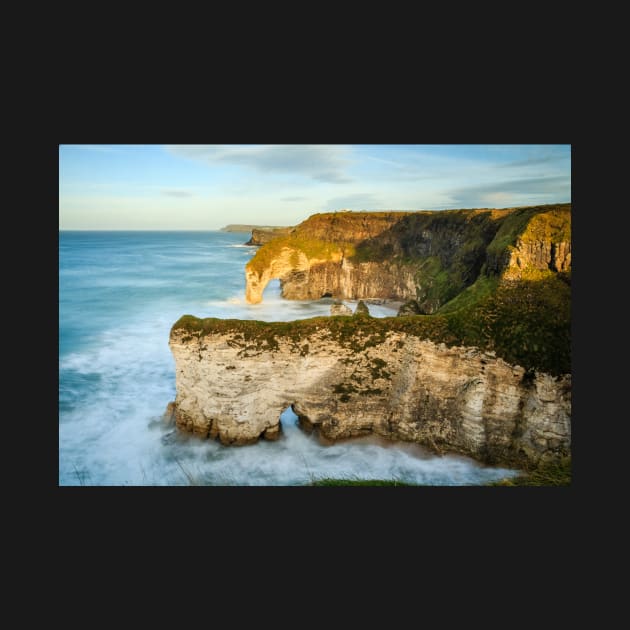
(119, 295)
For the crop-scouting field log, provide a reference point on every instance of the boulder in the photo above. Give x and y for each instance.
(362, 308)
(409, 308)
(339, 308)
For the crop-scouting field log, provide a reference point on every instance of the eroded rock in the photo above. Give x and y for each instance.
(404, 388)
(340, 309)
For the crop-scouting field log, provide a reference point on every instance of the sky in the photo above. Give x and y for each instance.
(205, 187)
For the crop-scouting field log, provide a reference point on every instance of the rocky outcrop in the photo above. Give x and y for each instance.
(340, 309)
(345, 279)
(260, 236)
(530, 241)
(314, 260)
(411, 307)
(233, 385)
(362, 309)
(539, 255)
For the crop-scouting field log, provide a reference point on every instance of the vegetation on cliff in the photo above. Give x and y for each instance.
(526, 323)
(549, 474)
(261, 236)
(556, 473)
(446, 252)
(313, 249)
(327, 481)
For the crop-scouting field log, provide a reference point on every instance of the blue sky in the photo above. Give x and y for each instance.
(204, 187)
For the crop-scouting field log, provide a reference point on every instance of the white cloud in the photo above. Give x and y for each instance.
(514, 192)
(326, 163)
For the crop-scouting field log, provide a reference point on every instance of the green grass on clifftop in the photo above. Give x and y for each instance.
(527, 323)
(311, 248)
(550, 474)
(551, 222)
(359, 482)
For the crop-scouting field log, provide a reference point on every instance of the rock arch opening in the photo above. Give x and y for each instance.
(290, 420)
(273, 290)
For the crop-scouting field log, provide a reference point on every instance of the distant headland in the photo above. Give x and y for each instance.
(241, 227)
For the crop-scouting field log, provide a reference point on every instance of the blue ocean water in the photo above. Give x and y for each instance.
(119, 295)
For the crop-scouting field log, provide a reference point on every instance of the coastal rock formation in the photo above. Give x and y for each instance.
(260, 236)
(540, 255)
(344, 279)
(234, 385)
(478, 361)
(340, 309)
(429, 257)
(362, 308)
(411, 307)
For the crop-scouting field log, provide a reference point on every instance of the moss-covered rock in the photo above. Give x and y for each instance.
(411, 307)
(362, 309)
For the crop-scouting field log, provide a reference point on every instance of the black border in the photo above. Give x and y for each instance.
(498, 516)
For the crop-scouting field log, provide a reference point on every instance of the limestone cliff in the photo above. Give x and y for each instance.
(347, 378)
(430, 257)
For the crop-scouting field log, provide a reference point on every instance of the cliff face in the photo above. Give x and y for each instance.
(260, 236)
(313, 257)
(234, 386)
(427, 256)
(544, 244)
(345, 278)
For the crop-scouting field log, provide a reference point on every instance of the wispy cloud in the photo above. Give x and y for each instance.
(293, 198)
(359, 201)
(176, 193)
(533, 161)
(538, 189)
(320, 162)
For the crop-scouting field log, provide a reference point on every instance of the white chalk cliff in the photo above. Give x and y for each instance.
(454, 399)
